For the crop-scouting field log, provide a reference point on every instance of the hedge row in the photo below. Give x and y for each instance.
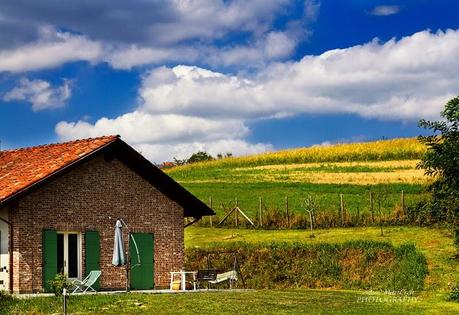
(350, 265)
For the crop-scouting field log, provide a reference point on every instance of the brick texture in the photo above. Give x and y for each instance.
(90, 198)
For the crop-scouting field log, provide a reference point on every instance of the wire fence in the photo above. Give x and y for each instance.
(373, 209)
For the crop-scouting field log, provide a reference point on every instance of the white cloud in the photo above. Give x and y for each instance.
(384, 10)
(404, 79)
(140, 127)
(278, 45)
(151, 33)
(126, 57)
(161, 137)
(41, 94)
(52, 49)
(139, 22)
(311, 9)
(55, 47)
(163, 152)
(184, 108)
(211, 19)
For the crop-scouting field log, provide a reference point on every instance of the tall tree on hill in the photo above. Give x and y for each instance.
(442, 161)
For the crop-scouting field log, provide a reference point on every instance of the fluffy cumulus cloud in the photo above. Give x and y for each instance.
(41, 94)
(191, 107)
(141, 126)
(401, 79)
(161, 137)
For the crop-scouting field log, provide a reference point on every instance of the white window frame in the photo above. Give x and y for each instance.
(79, 251)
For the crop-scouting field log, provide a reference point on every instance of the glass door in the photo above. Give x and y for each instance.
(69, 254)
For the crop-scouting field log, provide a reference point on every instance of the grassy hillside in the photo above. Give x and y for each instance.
(386, 168)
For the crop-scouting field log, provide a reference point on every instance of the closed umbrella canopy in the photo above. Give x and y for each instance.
(118, 247)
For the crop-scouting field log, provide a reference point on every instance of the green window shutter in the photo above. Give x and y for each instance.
(92, 253)
(49, 257)
(142, 276)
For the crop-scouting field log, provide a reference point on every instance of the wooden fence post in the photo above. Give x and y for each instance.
(237, 214)
(341, 202)
(403, 207)
(260, 215)
(210, 206)
(286, 209)
(403, 202)
(371, 208)
(358, 215)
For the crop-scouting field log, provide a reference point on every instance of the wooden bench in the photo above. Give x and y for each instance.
(206, 275)
(230, 276)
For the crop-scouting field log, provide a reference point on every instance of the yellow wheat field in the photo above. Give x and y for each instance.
(383, 150)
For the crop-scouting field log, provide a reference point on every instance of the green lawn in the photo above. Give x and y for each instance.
(436, 244)
(249, 302)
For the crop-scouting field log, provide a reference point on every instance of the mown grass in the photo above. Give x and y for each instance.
(356, 197)
(297, 301)
(349, 265)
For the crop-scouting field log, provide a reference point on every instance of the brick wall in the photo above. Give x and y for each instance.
(90, 198)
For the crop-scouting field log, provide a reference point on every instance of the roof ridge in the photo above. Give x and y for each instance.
(59, 143)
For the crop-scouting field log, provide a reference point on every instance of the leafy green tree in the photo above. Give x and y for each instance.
(442, 161)
(200, 157)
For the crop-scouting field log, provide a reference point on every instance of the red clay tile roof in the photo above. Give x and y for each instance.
(23, 167)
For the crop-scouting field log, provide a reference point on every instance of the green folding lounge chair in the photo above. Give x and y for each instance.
(87, 283)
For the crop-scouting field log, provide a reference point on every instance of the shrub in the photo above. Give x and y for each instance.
(454, 294)
(59, 283)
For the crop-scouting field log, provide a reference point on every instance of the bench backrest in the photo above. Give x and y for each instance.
(229, 275)
(207, 274)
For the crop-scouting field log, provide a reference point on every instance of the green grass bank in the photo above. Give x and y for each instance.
(366, 265)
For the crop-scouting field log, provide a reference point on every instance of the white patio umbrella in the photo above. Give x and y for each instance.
(119, 258)
(118, 247)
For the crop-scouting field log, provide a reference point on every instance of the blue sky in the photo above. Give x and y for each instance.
(236, 76)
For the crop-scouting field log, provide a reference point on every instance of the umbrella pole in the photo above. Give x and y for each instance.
(128, 265)
(128, 261)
